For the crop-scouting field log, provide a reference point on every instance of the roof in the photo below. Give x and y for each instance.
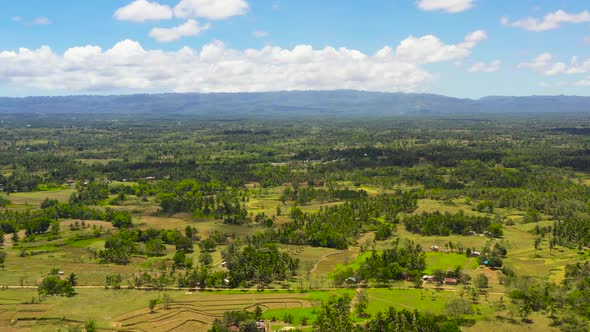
(450, 281)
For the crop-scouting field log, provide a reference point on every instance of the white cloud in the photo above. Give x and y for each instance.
(16, 18)
(188, 29)
(217, 67)
(429, 48)
(41, 21)
(451, 6)
(143, 10)
(211, 9)
(583, 82)
(548, 22)
(482, 67)
(546, 64)
(260, 34)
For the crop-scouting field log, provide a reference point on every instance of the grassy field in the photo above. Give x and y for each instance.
(34, 199)
(448, 261)
(127, 309)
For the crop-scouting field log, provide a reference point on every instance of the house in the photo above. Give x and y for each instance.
(223, 263)
(435, 248)
(70, 182)
(351, 280)
(428, 278)
(475, 254)
(150, 178)
(451, 281)
(261, 325)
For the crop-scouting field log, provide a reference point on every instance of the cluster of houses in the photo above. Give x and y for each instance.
(260, 325)
(71, 182)
(447, 281)
(471, 254)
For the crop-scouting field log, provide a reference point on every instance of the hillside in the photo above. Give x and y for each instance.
(341, 102)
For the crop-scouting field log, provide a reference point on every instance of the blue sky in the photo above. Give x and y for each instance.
(462, 48)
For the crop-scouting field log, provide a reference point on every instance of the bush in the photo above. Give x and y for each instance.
(288, 318)
(53, 285)
(481, 281)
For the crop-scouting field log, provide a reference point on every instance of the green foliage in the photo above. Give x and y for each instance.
(437, 223)
(458, 307)
(53, 285)
(152, 304)
(481, 281)
(485, 206)
(404, 260)
(181, 260)
(261, 265)
(334, 315)
(245, 320)
(338, 226)
(205, 259)
(361, 304)
(90, 326)
(4, 202)
(208, 245)
(384, 232)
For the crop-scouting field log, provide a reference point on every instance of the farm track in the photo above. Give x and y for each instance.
(220, 291)
(315, 266)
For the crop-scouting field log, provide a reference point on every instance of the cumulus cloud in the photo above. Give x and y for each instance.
(211, 9)
(450, 6)
(260, 34)
(548, 22)
(429, 48)
(143, 10)
(188, 29)
(547, 64)
(217, 67)
(482, 67)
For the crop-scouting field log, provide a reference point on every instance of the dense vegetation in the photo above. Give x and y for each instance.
(160, 202)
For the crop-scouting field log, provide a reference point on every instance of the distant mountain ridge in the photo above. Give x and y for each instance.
(337, 102)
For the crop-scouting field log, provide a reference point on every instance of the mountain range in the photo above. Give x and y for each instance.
(338, 102)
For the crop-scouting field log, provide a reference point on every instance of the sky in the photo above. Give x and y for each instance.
(459, 48)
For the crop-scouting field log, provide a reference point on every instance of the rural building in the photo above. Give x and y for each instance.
(451, 281)
(428, 278)
(261, 325)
